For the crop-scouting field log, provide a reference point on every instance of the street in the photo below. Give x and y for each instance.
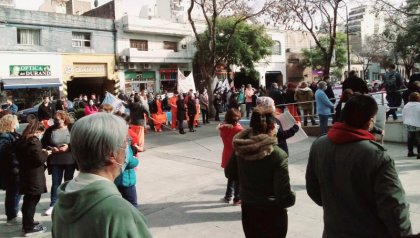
(180, 184)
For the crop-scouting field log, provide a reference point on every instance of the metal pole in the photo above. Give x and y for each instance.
(348, 42)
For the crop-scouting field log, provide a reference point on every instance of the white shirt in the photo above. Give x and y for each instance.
(411, 114)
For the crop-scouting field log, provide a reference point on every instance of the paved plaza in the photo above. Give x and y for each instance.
(180, 184)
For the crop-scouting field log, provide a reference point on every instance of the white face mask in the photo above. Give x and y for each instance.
(122, 166)
(91, 103)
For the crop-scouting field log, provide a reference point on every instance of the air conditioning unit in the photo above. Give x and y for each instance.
(147, 66)
(183, 46)
(132, 66)
(123, 59)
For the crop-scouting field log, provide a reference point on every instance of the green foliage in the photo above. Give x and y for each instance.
(315, 58)
(243, 46)
(251, 73)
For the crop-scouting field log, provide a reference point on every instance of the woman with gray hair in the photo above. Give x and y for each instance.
(323, 107)
(90, 205)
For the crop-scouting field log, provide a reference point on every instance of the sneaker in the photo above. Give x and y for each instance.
(13, 222)
(225, 200)
(38, 229)
(236, 203)
(19, 214)
(48, 212)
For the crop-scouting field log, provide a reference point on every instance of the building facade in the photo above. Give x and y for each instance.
(35, 50)
(362, 23)
(152, 44)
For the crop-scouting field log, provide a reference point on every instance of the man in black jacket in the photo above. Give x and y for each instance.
(46, 110)
(355, 83)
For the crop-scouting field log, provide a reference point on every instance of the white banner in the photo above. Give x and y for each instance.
(287, 121)
(116, 103)
(185, 83)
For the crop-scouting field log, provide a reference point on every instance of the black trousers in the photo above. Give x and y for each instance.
(28, 210)
(205, 115)
(264, 221)
(191, 122)
(181, 125)
(413, 139)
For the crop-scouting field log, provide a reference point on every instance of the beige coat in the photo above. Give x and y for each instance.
(304, 95)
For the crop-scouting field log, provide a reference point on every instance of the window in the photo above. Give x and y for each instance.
(81, 39)
(28, 37)
(170, 45)
(276, 49)
(139, 44)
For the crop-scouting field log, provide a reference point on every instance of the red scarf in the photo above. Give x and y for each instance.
(341, 133)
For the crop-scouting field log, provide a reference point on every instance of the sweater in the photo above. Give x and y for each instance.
(323, 104)
(411, 114)
(96, 210)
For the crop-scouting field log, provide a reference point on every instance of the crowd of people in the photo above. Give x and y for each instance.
(348, 174)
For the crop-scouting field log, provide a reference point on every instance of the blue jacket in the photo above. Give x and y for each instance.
(128, 177)
(323, 104)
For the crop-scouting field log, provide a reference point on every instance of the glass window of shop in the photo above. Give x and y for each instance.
(137, 81)
(29, 97)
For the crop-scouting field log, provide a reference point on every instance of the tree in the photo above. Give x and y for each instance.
(247, 45)
(315, 57)
(311, 14)
(402, 32)
(211, 11)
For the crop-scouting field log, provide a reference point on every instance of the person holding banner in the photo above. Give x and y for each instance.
(281, 135)
(158, 116)
(137, 121)
(172, 104)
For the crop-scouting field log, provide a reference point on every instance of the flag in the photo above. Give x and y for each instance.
(116, 103)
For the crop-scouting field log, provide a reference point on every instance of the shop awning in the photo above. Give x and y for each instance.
(15, 83)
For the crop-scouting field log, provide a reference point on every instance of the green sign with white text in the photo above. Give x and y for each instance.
(30, 70)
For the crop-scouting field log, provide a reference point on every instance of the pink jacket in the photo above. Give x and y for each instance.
(227, 132)
(90, 110)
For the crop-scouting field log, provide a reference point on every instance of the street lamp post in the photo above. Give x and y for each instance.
(348, 42)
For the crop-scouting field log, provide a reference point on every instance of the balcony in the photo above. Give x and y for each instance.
(158, 56)
(155, 26)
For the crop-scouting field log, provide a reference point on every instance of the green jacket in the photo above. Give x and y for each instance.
(358, 188)
(97, 210)
(262, 170)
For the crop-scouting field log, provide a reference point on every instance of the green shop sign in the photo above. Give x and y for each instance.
(30, 70)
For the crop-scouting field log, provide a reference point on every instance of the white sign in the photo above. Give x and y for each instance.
(185, 83)
(287, 121)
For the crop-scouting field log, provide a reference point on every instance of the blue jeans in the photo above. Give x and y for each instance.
(12, 199)
(232, 189)
(57, 172)
(323, 124)
(129, 194)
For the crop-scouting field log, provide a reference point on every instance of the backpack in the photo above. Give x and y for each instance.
(391, 82)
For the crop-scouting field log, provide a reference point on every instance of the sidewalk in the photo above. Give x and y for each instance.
(180, 184)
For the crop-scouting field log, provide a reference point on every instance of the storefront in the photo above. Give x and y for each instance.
(169, 76)
(89, 74)
(139, 80)
(27, 77)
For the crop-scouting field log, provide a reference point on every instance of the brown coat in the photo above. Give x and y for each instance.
(304, 95)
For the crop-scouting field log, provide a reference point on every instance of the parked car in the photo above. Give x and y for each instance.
(28, 112)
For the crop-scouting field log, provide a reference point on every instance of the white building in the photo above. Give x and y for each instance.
(153, 42)
(273, 68)
(362, 23)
